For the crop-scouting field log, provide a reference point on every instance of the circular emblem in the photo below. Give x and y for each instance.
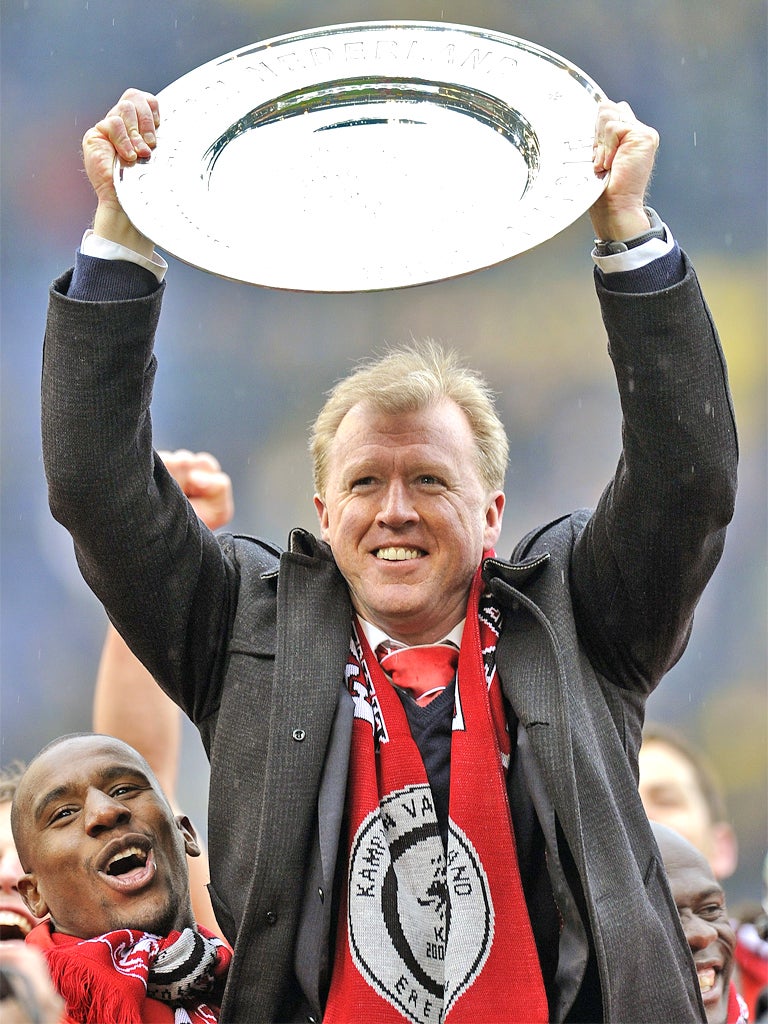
(404, 893)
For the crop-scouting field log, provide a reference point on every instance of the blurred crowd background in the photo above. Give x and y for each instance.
(242, 370)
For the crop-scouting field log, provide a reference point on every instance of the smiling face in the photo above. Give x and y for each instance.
(407, 516)
(15, 919)
(99, 842)
(701, 904)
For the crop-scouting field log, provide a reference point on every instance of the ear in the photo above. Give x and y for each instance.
(29, 892)
(187, 829)
(322, 514)
(493, 517)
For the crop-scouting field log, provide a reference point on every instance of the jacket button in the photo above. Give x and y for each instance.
(270, 917)
(299, 735)
(321, 894)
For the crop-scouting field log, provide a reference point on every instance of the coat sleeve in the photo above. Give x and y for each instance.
(162, 576)
(643, 559)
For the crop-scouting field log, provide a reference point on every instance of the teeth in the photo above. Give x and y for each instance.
(706, 979)
(10, 919)
(131, 851)
(397, 554)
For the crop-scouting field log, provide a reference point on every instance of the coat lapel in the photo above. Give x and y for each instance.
(533, 672)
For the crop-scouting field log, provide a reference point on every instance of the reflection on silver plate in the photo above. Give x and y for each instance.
(367, 156)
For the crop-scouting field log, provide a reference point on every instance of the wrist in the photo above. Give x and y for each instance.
(620, 225)
(650, 227)
(112, 223)
(613, 257)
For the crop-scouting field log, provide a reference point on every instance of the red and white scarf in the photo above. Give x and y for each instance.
(738, 1011)
(122, 976)
(426, 934)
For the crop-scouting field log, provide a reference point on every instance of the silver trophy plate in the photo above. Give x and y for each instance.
(367, 156)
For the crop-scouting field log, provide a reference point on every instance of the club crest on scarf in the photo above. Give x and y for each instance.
(400, 915)
(129, 956)
(433, 933)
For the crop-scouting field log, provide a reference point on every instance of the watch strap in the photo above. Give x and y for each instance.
(607, 247)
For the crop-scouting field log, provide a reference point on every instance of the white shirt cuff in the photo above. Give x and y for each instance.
(638, 257)
(104, 249)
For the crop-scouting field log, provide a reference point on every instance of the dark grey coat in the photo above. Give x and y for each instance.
(252, 644)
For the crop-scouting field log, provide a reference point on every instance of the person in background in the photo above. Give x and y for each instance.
(680, 788)
(16, 921)
(752, 951)
(394, 842)
(128, 703)
(105, 863)
(26, 993)
(700, 902)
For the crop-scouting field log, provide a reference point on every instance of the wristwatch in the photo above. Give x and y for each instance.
(605, 247)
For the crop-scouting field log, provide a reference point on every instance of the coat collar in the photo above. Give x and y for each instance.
(302, 542)
(514, 574)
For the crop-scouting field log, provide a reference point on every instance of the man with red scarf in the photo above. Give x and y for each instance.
(105, 864)
(479, 852)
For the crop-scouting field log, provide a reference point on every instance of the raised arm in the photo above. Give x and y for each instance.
(165, 581)
(642, 562)
(128, 703)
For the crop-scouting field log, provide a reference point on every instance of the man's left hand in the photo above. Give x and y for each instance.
(625, 148)
(201, 478)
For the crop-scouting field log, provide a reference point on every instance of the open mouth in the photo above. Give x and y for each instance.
(14, 925)
(129, 860)
(707, 979)
(128, 867)
(710, 984)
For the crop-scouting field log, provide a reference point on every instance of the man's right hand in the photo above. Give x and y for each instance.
(128, 133)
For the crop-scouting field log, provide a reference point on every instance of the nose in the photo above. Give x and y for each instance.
(10, 871)
(102, 812)
(397, 507)
(698, 932)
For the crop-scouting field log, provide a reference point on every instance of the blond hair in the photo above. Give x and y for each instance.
(408, 379)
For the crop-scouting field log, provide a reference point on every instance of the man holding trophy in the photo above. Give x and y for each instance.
(423, 799)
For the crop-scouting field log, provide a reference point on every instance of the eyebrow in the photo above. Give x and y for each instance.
(713, 890)
(50, 797)
(106, 776)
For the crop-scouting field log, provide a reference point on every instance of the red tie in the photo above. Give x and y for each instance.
(423, 671)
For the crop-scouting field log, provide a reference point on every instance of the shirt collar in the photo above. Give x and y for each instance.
(375, 636)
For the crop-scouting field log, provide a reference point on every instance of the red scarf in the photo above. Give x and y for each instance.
(104, 980)
(433, 935)
(738, 1011)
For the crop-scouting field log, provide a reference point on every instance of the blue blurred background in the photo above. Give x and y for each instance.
(242, 369)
